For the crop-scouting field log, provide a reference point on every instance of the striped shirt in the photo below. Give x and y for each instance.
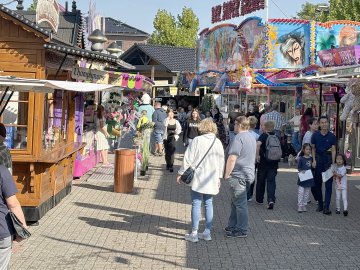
(277, 118)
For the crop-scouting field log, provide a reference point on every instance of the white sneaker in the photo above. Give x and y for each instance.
(204, 236)
(192, 237)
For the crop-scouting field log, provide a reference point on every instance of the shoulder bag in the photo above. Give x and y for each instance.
(188, 175)
(18, 227)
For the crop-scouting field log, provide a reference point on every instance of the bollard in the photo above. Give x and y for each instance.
(124, 170)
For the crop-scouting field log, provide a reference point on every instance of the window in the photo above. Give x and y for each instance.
(55, 120)
(119, 43)
(15, 119)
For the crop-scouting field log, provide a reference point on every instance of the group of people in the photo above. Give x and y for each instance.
(256, 150)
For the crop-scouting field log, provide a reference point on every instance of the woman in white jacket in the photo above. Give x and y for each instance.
(171, 135)
(206, 181)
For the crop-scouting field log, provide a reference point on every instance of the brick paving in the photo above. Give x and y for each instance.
(95, 228)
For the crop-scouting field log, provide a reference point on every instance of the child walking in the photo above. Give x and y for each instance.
(341, 183)
(304, 164)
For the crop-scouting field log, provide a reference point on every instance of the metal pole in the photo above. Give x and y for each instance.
(266, 10)
(320, 99)
(7, 102)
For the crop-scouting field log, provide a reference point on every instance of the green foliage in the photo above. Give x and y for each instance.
(338, 10)
(313, 12)
(33, 6)
(207, 103)
(180, 32)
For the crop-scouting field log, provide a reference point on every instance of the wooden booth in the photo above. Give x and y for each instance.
(40, 123)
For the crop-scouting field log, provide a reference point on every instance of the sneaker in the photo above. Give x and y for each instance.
(236, 234)
(345, 213)
(271, 206)
(300, 209)
(229, 229)
(250, 199)
(204, 236)
(191, 237)
(337, 211)
(259, 202)
(327, 212)
(171, 169)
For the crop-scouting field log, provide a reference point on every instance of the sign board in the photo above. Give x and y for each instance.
(343, 56)
(90, 75)
(48, 11)
(235, 8)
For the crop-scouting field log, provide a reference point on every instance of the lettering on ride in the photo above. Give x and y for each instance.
(85, 74)
(235, 8)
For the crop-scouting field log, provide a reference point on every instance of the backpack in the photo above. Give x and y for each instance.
(273, 148)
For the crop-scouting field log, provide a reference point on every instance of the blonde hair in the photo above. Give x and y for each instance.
(207, 126)
(269, 126)
(253, 121)
(243, 122)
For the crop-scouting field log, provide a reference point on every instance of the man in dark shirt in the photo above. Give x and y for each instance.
(257, 114)
(323, 145)
(267, 170)
(232, 117)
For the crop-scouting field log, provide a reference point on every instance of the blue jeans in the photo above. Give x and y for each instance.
(197, 198)
(239, 216)
(323, 162)
(158, 134)
(295, 141)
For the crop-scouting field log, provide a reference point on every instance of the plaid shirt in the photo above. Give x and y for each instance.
(5, 157)
(277, 118)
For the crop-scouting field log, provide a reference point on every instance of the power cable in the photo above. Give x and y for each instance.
(280, 9)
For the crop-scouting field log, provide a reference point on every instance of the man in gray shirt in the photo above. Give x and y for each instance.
(240, 172)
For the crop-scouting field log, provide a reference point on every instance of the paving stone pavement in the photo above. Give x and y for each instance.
(95, 228)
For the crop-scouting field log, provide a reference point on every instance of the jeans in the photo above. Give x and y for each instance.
(5, 252)
(323, 162)
(295, 141)
(239, 216)
(169, 145)
(266, 176)
(197, 198)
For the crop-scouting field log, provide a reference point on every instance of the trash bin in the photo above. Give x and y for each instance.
(124, 170)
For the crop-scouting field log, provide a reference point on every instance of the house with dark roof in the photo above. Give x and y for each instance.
(159, 62)
(123, 34)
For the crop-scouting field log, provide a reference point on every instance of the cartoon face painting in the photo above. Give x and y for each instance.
(293, 49)
(348, 36)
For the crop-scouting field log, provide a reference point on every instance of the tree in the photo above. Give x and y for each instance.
(332, 11)
(180, 32)
(33, 6)
(313, 12)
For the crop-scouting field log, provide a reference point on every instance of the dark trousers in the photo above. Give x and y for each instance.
(323, 162)
(169, 146)
(266, 176)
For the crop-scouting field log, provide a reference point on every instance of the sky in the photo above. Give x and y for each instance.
(141, 13)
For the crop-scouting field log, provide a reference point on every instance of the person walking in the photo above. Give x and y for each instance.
(268, 155)
(8, 202)
(158, 118)
(240, 173)
(219, 121)
(304, 165)
(253, 123)
(207, 152)
(341, 184)
(304, 124)
(277, 118)
(264, 112)
(295, 140)
(323, 145)
(231, 122)
(102, 143)
(171, 135)
(257, 115)
(191, 127)
(146, 106)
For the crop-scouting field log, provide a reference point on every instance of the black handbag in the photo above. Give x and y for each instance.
(20, 230)
(188, 175)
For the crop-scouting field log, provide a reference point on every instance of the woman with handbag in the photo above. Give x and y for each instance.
(206, 156)
(171, 135)
(8, 202)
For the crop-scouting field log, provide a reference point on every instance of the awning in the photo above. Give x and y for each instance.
(8, 83)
